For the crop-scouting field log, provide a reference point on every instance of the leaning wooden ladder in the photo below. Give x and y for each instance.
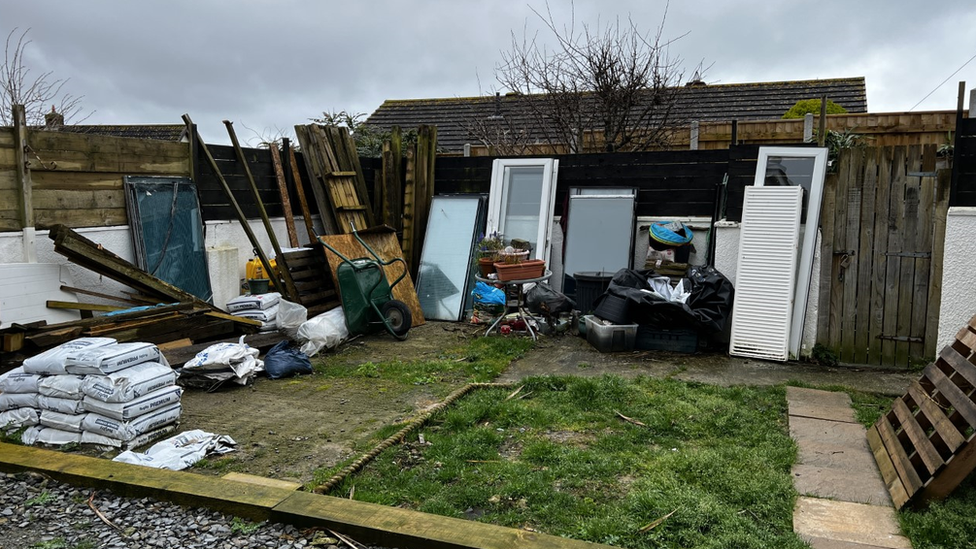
(926, 444)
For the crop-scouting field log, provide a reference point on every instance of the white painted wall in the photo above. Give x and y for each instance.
(958, 282)
(226, 242)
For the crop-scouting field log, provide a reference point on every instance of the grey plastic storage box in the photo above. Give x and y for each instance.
(610, 338)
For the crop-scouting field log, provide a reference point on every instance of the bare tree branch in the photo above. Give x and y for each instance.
(37, 93)
(607, 87)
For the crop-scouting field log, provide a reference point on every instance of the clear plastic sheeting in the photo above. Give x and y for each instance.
(167, 232)
(445, 265)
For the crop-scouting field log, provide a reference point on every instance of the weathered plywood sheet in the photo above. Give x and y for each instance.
(385, 244)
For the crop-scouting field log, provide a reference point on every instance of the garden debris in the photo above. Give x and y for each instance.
(91, 505)
(629, 420)
(222, 362)
(656, 523)
(179, 452)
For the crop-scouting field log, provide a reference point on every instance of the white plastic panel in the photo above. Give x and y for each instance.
(600, 233)
(766, 275)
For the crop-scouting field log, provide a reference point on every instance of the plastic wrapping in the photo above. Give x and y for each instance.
(286, 360)
(326, 330)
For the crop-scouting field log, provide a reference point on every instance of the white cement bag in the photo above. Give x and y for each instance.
(48, 435)
(221, 356)
(326, 330)
(64, 422)
(105, 360)
(134, 408)
(128, 430)
(182, 451)
(130, 383)
(290, 317)
(253, 302)
(62, 386)
(63, 405)
(264, 315)
(11, 420)
(51, 361)
(19, 381)
(88, 437)
(12, 401)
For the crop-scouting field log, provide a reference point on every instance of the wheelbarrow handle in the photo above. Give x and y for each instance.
(379, 260)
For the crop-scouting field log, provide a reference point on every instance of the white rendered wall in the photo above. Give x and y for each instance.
(958, 282)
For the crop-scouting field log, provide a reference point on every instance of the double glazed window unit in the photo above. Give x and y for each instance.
(523, 194)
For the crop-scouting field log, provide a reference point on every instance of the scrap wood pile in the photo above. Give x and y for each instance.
(167, 313)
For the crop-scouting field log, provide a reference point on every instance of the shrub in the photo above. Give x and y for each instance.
(803, 106)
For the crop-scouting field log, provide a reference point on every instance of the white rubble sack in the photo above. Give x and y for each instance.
(12, 420)
(222, 361)
(56, 404)
(326, 330)
(105, 360)
(88, 437)
(48, 435)
(130, 383)
(253, 302)
(19, 381)
(64, 422)
(179, 452)
(62, 386)
(12, 401)
(134, 408)
(128, 430)
(51, 361)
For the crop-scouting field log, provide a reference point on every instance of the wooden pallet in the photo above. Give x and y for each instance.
(313, 279)
(925, 445)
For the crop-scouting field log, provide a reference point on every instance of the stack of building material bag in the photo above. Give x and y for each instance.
(263, 307)
(92, 390)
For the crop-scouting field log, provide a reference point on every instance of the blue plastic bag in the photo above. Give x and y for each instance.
(486, 294)
(286, 360)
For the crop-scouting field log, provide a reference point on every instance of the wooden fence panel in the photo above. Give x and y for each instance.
(884, 229)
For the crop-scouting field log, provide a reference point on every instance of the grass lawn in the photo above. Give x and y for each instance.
(642, 463)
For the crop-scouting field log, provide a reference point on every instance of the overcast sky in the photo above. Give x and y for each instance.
(270, 65)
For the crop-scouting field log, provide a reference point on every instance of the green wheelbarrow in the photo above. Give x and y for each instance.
(367, 296)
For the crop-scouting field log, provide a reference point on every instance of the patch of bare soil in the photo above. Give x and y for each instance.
(287, 428)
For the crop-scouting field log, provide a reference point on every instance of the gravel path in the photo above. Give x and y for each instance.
(39, 513)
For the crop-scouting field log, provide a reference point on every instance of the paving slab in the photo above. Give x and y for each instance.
(822, 543)
(841, 484)
(838, 433)
(817, 404)
(841, 521)
(840, 456)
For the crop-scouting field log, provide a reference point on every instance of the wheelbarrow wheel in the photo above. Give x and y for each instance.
(397, 317)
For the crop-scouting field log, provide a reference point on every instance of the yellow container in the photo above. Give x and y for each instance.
(255, 269)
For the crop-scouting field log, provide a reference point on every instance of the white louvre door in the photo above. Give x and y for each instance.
(766, 272)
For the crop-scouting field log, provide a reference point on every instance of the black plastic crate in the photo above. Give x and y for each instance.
(678, 341)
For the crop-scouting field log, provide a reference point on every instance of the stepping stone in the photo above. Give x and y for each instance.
(843, 522)
(837, 433)
(817, 404)
(841, 484)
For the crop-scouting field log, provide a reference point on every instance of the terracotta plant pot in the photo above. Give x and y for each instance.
(520, 271)
(487, 266)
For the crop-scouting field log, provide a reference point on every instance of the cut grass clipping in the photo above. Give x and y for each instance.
(633, 463)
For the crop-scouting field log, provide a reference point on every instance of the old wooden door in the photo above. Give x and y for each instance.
(883, 228)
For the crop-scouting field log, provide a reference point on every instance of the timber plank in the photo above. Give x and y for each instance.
(865, 259)
(908, 208)
(923, 446)
(961, 365)
(941, 209)
(840, 239)
(960, 466)
(311, 148)
(285, 199)
(101, 217)
(896, 214)
(849, 351)
(78, 200)
(958, 399)
(951, 436)
(827, 214)
(76, 181)
(882, 201)
(906, 471)
(899, 495)
(923, 244)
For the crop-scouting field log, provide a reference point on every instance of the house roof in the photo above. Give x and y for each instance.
(163, 132)
(723, 102)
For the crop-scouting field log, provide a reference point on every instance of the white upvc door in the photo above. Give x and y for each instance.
(523, 195)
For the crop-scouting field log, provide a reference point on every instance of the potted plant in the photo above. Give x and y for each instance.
(488, 248)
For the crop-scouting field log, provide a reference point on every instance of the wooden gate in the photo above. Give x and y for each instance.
(883, 229)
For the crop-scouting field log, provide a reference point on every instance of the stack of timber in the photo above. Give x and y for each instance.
(170, 314)
(418, 192)
(337, 178)
(926, 445)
